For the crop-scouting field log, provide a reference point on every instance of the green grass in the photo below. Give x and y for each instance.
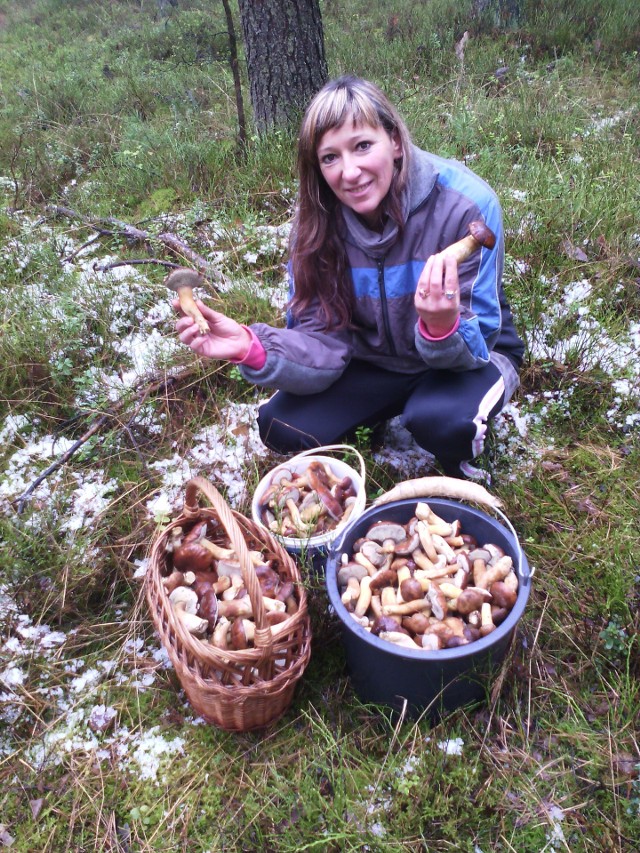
(127, 110)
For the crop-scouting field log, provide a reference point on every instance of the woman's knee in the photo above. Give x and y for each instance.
(442, 432)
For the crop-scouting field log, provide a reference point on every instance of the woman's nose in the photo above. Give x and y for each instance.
(350, 168)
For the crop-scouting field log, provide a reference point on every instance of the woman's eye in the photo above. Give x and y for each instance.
(364, 146)
(327, 158)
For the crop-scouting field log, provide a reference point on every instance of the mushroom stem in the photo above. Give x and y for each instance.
(182, 281)
(193, 623)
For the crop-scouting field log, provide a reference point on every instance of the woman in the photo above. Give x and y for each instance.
(381, 320)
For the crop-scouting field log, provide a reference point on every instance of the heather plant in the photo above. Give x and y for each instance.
(123, 114)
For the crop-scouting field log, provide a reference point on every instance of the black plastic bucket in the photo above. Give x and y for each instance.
(432, 681)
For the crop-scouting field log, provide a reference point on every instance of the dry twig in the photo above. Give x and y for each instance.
(152, 387)
(114, 227)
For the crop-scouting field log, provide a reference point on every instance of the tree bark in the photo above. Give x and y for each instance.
(286, 63)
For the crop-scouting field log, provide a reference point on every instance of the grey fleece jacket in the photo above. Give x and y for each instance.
(442, 197)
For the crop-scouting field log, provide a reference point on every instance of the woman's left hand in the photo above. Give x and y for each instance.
(437, 297)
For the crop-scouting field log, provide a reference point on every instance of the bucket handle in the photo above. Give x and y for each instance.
(455, 489)
(312, 451)
(519, 553)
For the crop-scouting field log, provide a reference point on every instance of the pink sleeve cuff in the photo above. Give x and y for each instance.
(255, 356)
(425, 334)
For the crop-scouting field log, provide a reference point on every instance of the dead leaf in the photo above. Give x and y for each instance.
(6, 839)
(36, 807)
(587, 506)
(574, 252)
(625, 766)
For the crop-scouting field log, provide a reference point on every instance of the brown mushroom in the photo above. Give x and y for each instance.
(383, 578)
(208, 608)
(191, 553)
(411, 589)
(470, 599)
(479, 236)
(382, 530)
(176, 579)
(182, 281)
(416, 623)
(373, 551)
(349, 570)
(502, 595)
(241, 633)
(386, 623)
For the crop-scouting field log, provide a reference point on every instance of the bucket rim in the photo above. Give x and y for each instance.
(477, 647)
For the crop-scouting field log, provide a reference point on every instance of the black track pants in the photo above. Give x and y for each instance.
(446, 412)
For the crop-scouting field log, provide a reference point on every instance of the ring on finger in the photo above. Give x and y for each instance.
(450, 294)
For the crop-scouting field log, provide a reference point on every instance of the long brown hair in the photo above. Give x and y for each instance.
(317, 254)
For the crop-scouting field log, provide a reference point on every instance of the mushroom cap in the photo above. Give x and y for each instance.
(183, 595)
(481, 232)
(183, 277)
(372, 550)
(350, 570)
(470, 599)
(407, 546)
(382, 530)
(208, 608)
(387, 623)
(192, 555)
(411, 589)
(503, 595)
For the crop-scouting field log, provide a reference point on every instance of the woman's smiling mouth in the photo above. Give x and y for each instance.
(360, 189)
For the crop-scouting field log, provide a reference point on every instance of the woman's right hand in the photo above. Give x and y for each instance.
(227, 339)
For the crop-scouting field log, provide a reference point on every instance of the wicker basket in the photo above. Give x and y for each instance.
(235, 690)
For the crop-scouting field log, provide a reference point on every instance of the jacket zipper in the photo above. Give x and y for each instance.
(383, 305)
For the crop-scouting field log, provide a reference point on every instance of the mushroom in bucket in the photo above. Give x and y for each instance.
(306, 501)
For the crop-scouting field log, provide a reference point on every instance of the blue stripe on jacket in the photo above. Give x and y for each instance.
(485, 300)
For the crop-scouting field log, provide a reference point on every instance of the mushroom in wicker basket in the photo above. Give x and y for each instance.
(229, 606)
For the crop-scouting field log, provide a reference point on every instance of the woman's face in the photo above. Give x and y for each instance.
(357, 162)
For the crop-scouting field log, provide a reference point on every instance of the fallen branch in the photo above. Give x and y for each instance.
(93, 429)
(115, 227)
(132, 262)
(152, 387)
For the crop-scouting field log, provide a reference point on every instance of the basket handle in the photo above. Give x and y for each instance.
(312, 451)
(264, 636)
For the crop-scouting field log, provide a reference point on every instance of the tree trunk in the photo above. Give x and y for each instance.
(284, 44)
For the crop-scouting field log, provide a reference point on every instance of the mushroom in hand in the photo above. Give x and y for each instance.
(479, 236)
(182, 281)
